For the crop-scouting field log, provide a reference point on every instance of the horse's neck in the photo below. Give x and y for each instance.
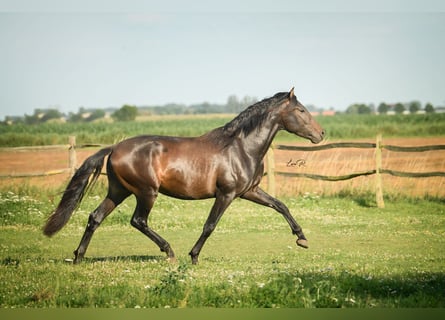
(258, 141)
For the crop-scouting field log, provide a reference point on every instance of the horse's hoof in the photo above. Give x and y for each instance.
(172, 260)
(194, 260)
(302, 243)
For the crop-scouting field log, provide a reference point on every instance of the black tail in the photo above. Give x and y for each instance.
(75, 191)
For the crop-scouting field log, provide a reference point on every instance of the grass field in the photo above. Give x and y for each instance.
(359, 255)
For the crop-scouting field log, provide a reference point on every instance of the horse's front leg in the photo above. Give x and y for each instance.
(259, 196)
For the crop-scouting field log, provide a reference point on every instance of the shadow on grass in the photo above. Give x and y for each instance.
(366, 200)
(348, 290)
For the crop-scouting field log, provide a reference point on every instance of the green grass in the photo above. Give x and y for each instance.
(338, 127)
(359, 255)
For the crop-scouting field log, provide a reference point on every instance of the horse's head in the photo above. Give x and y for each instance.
(297, 119)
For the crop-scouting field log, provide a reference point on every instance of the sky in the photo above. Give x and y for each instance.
(98, 54)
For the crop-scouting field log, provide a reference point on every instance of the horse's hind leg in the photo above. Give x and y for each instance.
(139, 221)
(94, 220)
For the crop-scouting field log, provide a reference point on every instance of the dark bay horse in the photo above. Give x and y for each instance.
(224, 164)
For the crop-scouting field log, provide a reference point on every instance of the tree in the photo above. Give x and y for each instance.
(42, 115)
(51, 114)
(358, 108)
(414, 106)
(429, 108)
(399, 108)
(74, 117)
(233, 105)
(31, 119)
(247, 101)
(383, 108)
(96, 114)
(126, 113)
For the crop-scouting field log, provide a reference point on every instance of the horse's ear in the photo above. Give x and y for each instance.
(291, 93)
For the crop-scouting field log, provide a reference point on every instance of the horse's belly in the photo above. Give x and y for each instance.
(188, 186)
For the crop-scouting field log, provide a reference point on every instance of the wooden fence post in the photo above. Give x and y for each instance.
(271, 172)
(72, 155)
(378, 176)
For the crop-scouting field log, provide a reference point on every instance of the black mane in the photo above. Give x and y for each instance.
(252, 117)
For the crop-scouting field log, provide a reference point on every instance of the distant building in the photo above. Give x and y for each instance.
(328, 112)
(321, 112)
